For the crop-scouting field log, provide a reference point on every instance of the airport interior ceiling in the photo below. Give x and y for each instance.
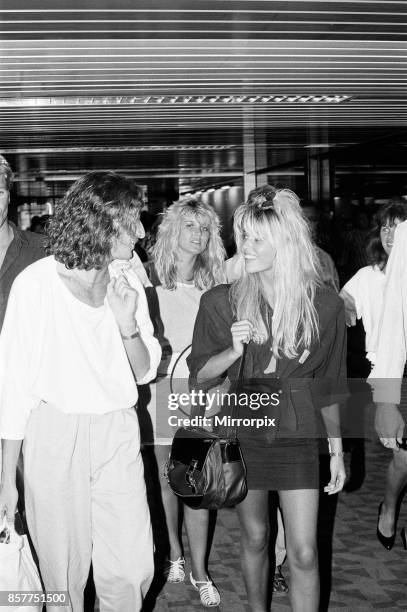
(179, 90)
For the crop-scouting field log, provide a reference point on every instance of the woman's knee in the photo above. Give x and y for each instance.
(256, 537)
(304, 557)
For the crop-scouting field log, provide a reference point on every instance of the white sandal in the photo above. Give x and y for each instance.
(208, 592)
(175, 570)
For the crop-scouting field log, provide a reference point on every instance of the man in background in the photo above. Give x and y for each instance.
(328, 270)
(18, 249)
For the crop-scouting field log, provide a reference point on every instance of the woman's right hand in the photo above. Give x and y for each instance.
(389, 425)
(242, 332)
(8, 500)
(123, 300)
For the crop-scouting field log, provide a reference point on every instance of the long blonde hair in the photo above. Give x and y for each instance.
(277, 217)
(208, 267)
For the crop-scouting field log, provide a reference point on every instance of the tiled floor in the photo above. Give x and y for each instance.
(364, 575)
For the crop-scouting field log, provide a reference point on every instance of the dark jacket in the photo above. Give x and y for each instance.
(25, 248)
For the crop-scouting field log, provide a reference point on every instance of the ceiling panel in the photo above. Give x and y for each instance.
(95, 74)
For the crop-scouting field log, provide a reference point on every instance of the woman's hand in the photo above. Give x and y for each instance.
(242, 332)
(338, 476)
(123, 301)
(389, 425)
(8, 500)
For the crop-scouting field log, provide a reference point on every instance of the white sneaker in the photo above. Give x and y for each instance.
(208, 592)
(175, 570)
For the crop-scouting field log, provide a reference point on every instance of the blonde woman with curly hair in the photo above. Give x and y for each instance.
(294, 328)
(188, 257)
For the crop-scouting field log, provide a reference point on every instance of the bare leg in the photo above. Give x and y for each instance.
(196, 525)
(300, 511)
(254, 524)
(170, 504)
(396, 479)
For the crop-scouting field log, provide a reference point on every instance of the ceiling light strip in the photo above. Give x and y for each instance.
(346, 33)
(172, 99)
(121, 149)
(186, 45)
(354, 58)
(251, 69)
(225, 61)
(246, 2)
(214, 11)
(214, 21)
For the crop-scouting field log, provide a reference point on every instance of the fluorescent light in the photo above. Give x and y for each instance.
(124, 148)
(218, 99)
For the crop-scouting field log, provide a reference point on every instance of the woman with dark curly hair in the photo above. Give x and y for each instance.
(363, 293)
(364, 296)
(76, 339)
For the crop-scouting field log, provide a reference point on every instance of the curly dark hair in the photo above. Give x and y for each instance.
(94, 210)
(396, 209)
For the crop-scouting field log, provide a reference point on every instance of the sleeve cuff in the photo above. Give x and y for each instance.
(6, 435)
(154, 351)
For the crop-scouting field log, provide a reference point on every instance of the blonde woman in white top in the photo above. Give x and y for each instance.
(188, 257)
(76, 339)
(364, 296)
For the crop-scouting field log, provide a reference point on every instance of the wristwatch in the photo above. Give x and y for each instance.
(136, 334)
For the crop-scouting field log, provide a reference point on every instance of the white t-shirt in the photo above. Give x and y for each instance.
(367, 289)
(175, 322)
(178, 310)
(386, 376)
(56, 349)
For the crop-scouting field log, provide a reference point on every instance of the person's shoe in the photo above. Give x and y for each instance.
(175, 570)
(386, 541)
(208, 592)
(279, 583)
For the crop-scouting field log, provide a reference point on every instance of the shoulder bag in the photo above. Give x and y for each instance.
(206, 470)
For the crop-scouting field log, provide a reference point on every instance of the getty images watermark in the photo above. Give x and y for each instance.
(253, 401)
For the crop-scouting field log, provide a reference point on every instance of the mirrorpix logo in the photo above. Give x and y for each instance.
(218, 399)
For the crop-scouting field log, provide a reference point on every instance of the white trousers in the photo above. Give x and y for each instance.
(86, 501)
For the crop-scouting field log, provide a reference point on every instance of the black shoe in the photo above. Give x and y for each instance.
(387, 542)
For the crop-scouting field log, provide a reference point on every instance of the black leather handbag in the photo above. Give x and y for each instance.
(206, 470)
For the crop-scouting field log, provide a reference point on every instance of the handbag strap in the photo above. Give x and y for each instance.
(201, 409)
(231, 432)
(175, 365)
(242, 360)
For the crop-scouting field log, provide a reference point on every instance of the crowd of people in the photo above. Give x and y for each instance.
(87, 327)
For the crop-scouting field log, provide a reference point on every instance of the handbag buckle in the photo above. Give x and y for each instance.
(189, 475)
